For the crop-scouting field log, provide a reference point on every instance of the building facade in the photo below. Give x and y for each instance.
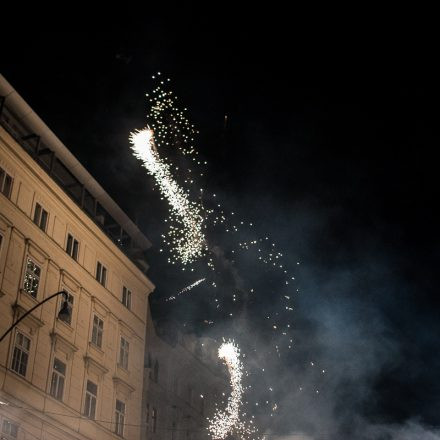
(79, 377)
(183, 382)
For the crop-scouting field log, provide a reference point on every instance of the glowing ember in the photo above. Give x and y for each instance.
(225, 421)
(186, 289)
(189, 243)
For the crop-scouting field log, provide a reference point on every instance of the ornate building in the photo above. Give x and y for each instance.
(79, 377)
(183, 381)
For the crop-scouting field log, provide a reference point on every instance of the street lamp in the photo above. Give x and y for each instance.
(62, 314)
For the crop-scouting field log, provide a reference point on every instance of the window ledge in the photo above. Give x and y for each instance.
(65, 325)
(122, 386)
(94, 366)
(122, 370)
(31, 321)
(25, 296)
(96, 348)
(62, 344)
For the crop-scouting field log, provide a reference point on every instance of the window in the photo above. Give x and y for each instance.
(190, 394)
(58, 377)
(154, 420)
(123, 353)
(67, 318)
(9, 430)
(90, 403)
(31, 278)
(156, 371)
(40, 217)
(176, 384)
(147, 416)
(20, 357)
(126, 297)
(101, 273)
(5, 183)
(98, 329)
(119, 417)
(72, 246)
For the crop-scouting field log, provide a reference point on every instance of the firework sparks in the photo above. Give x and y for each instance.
(175, 139)
(225, 421)
(189, 244)
(186, 289)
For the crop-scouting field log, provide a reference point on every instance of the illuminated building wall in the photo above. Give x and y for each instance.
(183, 381)
(81, 378)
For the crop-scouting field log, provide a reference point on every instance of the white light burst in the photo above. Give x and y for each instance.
(189, 243)
(186, 289)
(224, 422)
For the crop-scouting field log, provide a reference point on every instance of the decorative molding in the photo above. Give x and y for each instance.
(95, 352)
(85, 292)
(99, 306)
(71, 283)
(51, 262)
(122, 386)
(127, 328)
(36, 251)
(17, 231)
(64, 325)
(62, 344)
(31, 321)
(5, 220)
(93, 366)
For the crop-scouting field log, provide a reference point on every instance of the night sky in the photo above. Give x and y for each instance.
(329, 152)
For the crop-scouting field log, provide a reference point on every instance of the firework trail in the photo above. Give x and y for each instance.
(186, 289)
(174, 137)
(190, 243)
(224, 422)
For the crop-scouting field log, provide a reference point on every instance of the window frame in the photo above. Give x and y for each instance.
(126, 297)
(57, 378)
(97, 331)
(156, 371)
(101, 273)
(124, 352)
(90, 400)
(41, 217)
(9, 435)
(72, 246)
(176, 384)
(120, 415)
(32, 277)
(154, 420)
(4, 177)
(190, 394)
(71, 301)
(19, 352)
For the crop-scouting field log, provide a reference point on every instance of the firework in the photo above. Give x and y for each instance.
(175, 139)
(189, 242)
(224, 422)
(186, 289)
